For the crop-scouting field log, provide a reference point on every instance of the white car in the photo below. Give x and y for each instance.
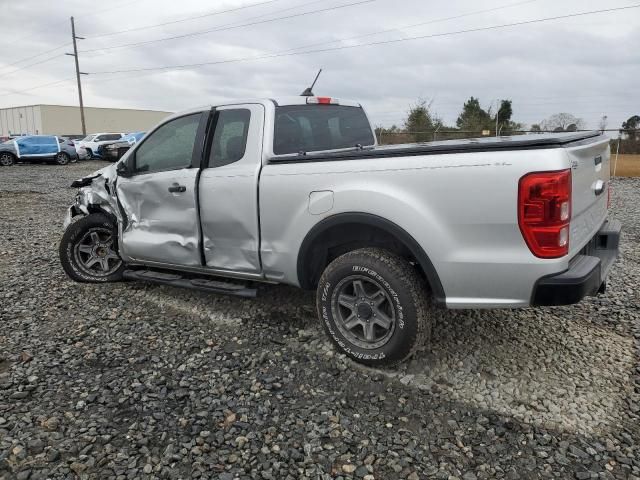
(88, 146)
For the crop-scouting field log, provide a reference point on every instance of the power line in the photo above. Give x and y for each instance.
(99, 51)
(15, 92)
(109, 9)
(414, 25)
(380, 42)
(20, 39)
(30, 65)
(217, 29)
(91, 14)
(186, 19)
(35, 56)
(509, 5)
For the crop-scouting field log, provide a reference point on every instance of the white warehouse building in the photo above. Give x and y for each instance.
(65, 120)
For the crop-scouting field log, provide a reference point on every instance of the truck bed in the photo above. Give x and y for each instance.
(517, 142)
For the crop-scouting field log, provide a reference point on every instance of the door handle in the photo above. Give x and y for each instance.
(175, 188)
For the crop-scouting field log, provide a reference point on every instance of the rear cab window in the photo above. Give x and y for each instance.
(230, 137)
(313, 128)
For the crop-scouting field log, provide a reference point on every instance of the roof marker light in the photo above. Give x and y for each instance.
(323, 101)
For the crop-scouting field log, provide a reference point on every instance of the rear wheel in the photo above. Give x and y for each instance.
(62, 158)
(87, 250)
(6, 159)
(374, 306)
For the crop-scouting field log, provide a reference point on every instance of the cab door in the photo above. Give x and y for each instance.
(158, 197)
(229, 190)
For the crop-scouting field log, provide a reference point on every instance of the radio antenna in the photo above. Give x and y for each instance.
(308, 92)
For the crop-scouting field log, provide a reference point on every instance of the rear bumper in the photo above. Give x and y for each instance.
(587, 271)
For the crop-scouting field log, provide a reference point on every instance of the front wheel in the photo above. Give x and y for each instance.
(87, 250)
(374, 306)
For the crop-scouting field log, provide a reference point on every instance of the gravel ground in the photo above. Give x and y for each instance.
(139, 381)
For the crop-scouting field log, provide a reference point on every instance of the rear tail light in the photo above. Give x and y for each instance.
(544, 212)
(323, 101)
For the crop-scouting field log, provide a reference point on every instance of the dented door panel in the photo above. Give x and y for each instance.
(161, 226)
(228, 197)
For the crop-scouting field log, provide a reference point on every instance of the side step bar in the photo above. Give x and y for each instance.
(204, 284)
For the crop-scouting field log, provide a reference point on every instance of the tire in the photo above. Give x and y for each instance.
(62, 158)
(374, 307)
(89, 154)
(7, 159)
(87, 251)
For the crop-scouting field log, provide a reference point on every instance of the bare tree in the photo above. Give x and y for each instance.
(560, 122)
(602, 126)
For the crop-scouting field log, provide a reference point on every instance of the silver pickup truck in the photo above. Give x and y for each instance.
(296, 191)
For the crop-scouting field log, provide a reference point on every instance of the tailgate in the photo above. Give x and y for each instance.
(590, 184)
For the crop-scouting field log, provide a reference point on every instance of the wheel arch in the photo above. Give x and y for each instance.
(341, 233)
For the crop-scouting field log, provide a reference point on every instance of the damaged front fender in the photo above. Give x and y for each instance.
(97, 193)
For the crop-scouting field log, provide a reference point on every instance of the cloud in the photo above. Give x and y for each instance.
(584, 65)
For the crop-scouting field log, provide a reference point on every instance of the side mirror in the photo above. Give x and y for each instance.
(123, 169)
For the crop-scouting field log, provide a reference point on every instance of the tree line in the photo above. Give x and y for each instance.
(423, 125)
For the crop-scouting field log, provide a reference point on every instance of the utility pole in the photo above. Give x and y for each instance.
(497, 114)
(78, 73)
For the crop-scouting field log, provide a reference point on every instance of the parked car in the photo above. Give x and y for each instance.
(88, 146)
(32, 148)
(67, 140)
(296, 191)
(114, 151)
(75, 138)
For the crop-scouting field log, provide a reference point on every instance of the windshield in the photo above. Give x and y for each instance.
(307, 128)
(87, 138)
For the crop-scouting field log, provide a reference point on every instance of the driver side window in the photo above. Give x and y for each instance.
(170, 147)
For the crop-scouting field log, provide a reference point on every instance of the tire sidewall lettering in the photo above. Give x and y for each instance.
(325, 292)
(394, 295)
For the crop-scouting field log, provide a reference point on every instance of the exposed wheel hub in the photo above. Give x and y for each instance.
(95, 253)
(365, 312)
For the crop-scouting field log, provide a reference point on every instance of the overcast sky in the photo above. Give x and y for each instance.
(588, 66)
